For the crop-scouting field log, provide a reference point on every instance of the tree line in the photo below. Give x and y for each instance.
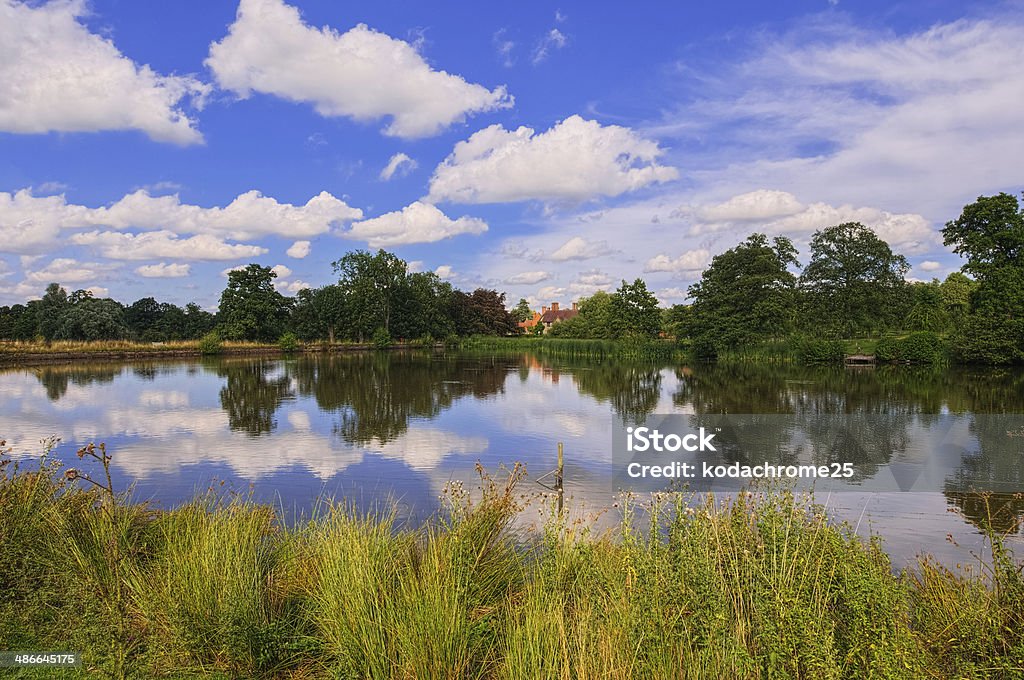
(853, 285)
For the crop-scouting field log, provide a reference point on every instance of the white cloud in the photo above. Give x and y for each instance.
(98, 291)
(671, 295)
(32, 223)
(57, 76)
(361, 74)
(577, 248)
(415, 223)
(415, 266)
(504, 47)
(66, 270)
(575, 160)
(688, 263)
(763, 204)
(164, 244)
(921, 122)
(552, 40)
(298, 250)
(399, 164)
(928, 266)
(779, 212)
(295, 286)
(527, 278)
(445, 272)
(164, 270)
(281, 271)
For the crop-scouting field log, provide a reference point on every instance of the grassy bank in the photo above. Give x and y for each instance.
(661, 350)
(62, 351)
(759, 587)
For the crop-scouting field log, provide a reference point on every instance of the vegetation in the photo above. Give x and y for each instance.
(760, 586)
(750, 301)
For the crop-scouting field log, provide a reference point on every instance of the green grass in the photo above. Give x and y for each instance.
(639, 348)
(760, 585)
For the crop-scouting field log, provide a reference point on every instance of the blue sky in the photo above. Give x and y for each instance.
(547, 150)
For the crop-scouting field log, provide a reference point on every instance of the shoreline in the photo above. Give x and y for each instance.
(41, 355)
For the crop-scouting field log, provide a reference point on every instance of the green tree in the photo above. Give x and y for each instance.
(250, 306)
(637, 309)
(746, 295)
(374, 283)
(990, 234)
(92, 319)
(956, 293)
(599, 316)
(522, 312)
(51, 309)
(927, 311)
(853, 283)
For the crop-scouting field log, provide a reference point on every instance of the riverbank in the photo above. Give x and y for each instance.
(65, 352)
(760, 586)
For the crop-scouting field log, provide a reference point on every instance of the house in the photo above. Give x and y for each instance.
(528, 325)
(550, 316)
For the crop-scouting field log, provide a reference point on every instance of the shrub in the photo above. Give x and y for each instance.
(211, 343)
(810, 351)
(888, 349)
(288, 343)
(381, 339)
(923, 347)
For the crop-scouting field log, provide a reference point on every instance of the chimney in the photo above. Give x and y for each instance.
(574, 307)
(543, 310)
(554, 306)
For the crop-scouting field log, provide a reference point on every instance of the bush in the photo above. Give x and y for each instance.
(381, 339)
(989, 340)
(810, 351)
(211, 343)
(923, 347)
(288, 343)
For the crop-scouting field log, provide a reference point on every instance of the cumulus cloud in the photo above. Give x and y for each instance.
(400, 164)
(575, 160)
(31, 223)
(527, 278)
(415, 223)
(929, 266)
(690, 262)
(152, 245)
(577, 248)
(780, 212)
(164, 270)
(445, 272)
(281, 271)
(360, 74)
(57, 76)
(763, 204)
(66, 270)
(298, 250)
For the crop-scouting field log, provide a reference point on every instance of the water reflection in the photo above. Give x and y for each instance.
(405, 423)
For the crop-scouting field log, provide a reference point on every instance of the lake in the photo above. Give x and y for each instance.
(376, 428)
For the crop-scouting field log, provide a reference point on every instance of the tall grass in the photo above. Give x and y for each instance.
(760, 585)
(568, 348)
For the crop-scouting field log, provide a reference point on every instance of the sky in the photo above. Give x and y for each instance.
(548, 150)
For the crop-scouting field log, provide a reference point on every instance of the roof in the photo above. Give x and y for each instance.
(553, 315)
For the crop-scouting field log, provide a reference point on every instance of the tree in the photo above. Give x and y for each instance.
(522, 312)
(990, 234)
(927, 311)
(197, 322)
(481, 312)
(956, 293)
(637, 309)
(51, 309)
(600, 317)
(92, 319)
(374, 282)
(746, 295)
(250, 306)
(854, 283)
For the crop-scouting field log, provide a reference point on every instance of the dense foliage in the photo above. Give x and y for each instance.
(753, 295)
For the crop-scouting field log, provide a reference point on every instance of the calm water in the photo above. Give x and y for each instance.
(378, 427)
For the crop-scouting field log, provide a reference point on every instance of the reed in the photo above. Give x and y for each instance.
(757, 585)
